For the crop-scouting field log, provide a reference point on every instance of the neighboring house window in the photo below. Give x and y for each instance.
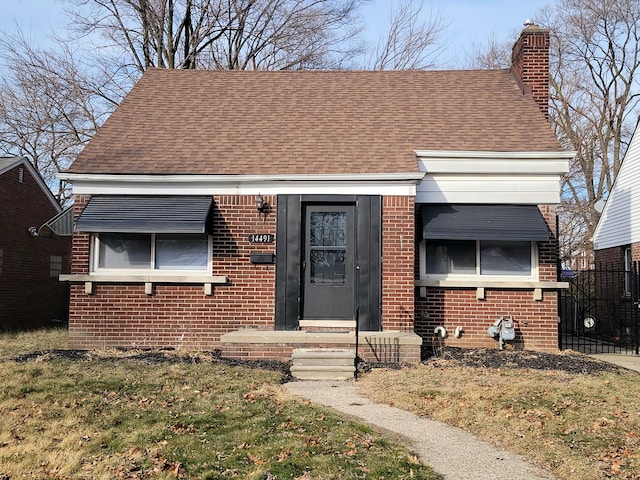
(55, 265)
(627, 271)
(496, 258)
(144, 251)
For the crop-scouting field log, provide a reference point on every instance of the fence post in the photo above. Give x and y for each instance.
(635, 304)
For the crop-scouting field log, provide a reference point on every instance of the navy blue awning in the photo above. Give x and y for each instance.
(483, 222)
(146, 214)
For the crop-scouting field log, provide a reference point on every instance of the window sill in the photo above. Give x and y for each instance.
(149, 279)
(481, 284)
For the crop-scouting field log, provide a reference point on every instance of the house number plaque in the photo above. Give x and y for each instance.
(261, 238)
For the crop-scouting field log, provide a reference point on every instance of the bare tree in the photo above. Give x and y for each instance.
(595, 56)
(52, 101)
(222, 34)
(493, 55)
(410, 42)
(594, 100)
(48, 108)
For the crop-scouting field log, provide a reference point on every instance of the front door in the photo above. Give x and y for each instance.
(329, 262)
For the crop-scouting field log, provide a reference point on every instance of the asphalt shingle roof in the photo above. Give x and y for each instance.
(310, 122)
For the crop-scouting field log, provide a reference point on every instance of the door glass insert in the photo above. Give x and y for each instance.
(328, 237)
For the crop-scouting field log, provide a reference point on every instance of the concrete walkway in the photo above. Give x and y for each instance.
(630, 362)
(450, 451)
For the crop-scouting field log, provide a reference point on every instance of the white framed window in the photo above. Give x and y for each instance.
(55, 265)
(149, 252)
(627, 271)
(450, 259)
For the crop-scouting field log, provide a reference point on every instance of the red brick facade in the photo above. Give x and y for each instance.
(398, 240)
(536, 320)
(29, 295)
(182, 316)
(179, 315)
(614, 257)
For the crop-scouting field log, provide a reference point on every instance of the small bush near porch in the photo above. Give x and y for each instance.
(135, 415)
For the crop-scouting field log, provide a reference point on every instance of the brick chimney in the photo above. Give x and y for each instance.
(530, 64)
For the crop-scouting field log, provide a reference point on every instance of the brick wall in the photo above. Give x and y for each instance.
(536, 320)
(29, 296)
(614, 257)
(182, 316)
(398, 240)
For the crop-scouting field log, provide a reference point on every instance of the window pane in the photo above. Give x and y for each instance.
(55, 265)
(451, 256)
(327, 266)
(505, 258)
(328, 229)
(627, 271)
(124, 250)
(182, 252)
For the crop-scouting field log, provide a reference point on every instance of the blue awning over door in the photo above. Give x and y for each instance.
(146, 214)
(483, 222)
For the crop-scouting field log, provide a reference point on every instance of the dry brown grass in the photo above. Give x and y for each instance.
(581, 427)
(17, 343)
(160, 415)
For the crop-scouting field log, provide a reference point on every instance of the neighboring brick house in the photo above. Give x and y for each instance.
(257, 212)
(30, 293)
(616, 242)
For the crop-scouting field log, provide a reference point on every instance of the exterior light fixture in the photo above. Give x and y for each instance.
(261, 205)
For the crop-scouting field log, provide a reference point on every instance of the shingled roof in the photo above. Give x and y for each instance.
(310, 122)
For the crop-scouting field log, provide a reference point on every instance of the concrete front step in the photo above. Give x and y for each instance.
(322, 364)
(328, 325)
(319, 372)
(315, 356)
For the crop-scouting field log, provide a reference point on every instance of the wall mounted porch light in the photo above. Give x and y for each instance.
(262, 206)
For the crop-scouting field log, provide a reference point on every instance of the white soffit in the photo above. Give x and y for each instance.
(471, 162)
(403, 184)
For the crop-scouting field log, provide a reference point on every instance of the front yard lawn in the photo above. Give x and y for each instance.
(113, 415)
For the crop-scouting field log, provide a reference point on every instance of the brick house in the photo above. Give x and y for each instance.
(616, 240)
(30, 293)
(616, 243)
(258, 212)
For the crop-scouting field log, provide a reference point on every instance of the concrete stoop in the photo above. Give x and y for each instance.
(322, 364)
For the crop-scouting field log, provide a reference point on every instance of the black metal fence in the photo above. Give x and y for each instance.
(599, 312)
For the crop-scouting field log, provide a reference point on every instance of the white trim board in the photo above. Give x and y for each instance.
(514, 189)
(403, 184)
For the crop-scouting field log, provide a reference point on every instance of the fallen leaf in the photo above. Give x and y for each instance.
(256, 460)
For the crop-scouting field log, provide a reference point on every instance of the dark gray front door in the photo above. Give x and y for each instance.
(329, 262)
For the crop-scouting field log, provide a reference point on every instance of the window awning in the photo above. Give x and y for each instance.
(483, 222)
(61, 224)
(145, 214)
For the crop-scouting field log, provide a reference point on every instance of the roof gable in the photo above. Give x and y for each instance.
(9, 163)
(619, 223)
(310, 122)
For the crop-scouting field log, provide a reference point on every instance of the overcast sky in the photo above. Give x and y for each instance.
(470, 22)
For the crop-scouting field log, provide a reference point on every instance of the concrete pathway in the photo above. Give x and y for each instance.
(630, 362)
(450, 451)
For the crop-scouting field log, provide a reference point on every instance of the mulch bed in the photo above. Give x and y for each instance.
(567, 361)
(152, 357)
